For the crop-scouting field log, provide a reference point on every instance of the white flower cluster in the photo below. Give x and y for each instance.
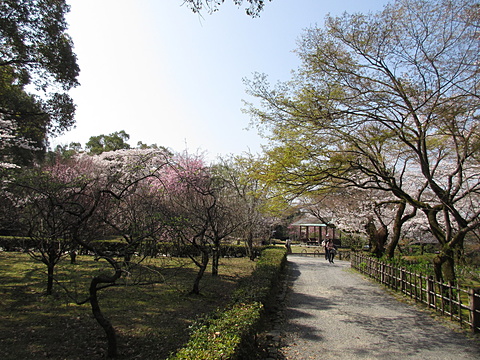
(9, 138)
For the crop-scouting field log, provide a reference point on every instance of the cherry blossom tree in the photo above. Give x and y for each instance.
(135, 213)
(47, 200)
(10, 138)
(378, 97)
(368, 213)
(67, 203)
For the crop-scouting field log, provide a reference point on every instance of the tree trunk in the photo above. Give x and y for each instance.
(251, 253)
(201, 271)
(397, 228)
(380, 239)
(377, 238)
(444, 266)
(73, 257)
(102, 320)
(444, 262)
(215, 261)
(50, 273)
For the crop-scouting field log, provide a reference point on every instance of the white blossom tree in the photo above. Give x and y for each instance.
(9, 138)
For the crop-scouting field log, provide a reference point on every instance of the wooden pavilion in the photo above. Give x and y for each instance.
(312, 230)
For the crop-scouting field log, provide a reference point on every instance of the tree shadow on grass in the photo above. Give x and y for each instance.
(151, 321)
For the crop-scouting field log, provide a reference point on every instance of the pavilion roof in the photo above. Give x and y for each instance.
(310, 221)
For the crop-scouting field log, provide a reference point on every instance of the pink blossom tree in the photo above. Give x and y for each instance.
(200, 207)
(65, 205)
(48, 201)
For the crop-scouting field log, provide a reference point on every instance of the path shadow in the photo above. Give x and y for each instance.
(389, 329)
(411, 333)
(300, 306)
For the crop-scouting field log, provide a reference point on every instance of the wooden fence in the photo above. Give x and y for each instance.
(462, 305)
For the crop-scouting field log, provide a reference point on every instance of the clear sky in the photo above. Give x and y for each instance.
(168, 76)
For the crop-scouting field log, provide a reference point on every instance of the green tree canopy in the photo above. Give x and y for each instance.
(37, 68)
(101, 143)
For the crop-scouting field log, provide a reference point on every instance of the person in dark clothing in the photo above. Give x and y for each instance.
(332, 249)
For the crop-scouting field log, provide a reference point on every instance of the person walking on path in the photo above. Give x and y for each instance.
(288, 245)
(332, 249)
(343, 315)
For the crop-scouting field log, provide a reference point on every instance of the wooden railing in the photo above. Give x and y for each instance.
(340, 255)
(462, 305)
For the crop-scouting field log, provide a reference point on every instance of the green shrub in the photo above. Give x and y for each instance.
(221, 336)
(20, 243)
(229, 333)
(419, 263)
(118, 246)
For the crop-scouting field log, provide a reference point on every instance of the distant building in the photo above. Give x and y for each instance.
(312, 231)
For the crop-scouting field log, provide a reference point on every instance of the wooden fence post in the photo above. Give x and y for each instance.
(459, 303)
(382, 271)
(475, 308)
(430, 292)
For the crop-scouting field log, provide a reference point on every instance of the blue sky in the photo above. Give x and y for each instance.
(174, 78)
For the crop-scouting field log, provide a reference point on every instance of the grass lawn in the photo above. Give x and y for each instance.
(151, 320)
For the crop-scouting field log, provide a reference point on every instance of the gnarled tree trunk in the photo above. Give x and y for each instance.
(102, 320)
(202, 268)
(97, 283)
(377, 237)
(215, 261)
(400, 219)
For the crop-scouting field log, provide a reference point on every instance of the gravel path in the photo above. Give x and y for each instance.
(331, 312)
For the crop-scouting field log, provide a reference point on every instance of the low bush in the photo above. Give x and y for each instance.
(229, 333)
(13, 243)
(119, 246)
(183, 250)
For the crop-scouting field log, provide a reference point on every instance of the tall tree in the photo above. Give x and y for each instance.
(386, 101)
(9, 139)
(37, 52)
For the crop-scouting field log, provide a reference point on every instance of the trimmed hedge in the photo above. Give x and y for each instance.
(13, 243)
(180, 250)
(119, 246)
(229, 334)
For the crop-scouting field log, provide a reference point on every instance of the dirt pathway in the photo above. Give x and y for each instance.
(334, 313)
